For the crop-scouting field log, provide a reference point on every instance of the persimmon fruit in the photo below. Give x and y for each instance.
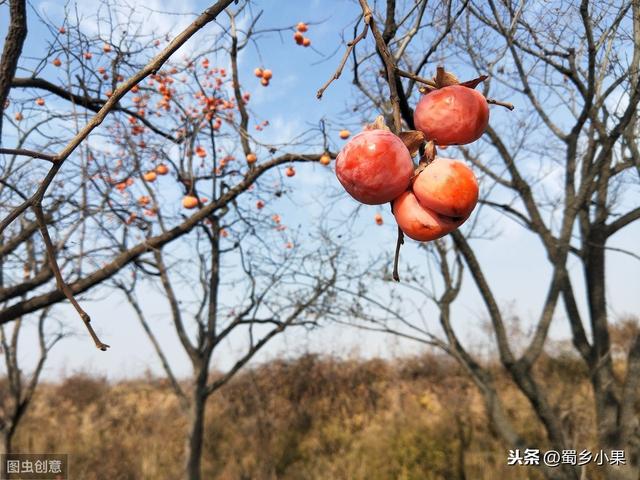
(422, 224)
(325, 159)
(189, 202)
(448, 187)
(150, 176)
(374, 167)
(442, 197)
(453, 115)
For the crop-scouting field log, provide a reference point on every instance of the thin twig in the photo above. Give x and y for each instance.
(426, 81)
(502, 104)
(28, 153)
(396, 258)
(350, 46)
(62, 286)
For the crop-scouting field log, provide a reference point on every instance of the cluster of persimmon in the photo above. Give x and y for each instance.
(438, 196)
(299, 37)
(264, 74)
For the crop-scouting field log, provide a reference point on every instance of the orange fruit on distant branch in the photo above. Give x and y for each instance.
(150, 176)
(189, 202)
(325, 159)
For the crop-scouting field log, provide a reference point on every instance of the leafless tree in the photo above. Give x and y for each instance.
(17, 388)
(230, 266)
(571, 69)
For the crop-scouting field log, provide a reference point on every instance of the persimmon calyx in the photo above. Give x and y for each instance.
(413, 140)
(378, 124)
(444, 78)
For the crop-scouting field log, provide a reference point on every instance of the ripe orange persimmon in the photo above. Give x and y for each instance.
(306, 42)
(56, 62)
(88, 55)
(290, 172)
(40, 101)
(144, 200)
(453, 115)
(258, 72)
(298, 37)
(200, 151)
(267, 74)
(302, 27)
(374, 167)
(259, 204)
(264, 82)
(162, 169)
(422, 224)
(325, 159)
(251, 158)
(189, 202)
(344, 134)
(106, 48)
(18, 116)
(150, 176)
(447, 187)
(62, 30)
(442, 197)
(378, 219)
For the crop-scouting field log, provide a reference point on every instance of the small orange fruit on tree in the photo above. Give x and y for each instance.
(189, 202)
(150, 176)
(325, 159)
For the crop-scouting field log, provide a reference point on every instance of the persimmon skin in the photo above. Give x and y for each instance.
(419, 223)
(447, 187)
(374, 167)
(454, 115)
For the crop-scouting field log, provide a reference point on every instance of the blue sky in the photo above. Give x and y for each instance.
(514, 261)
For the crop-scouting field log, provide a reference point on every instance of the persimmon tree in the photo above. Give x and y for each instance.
(571, 69)
(159, 181)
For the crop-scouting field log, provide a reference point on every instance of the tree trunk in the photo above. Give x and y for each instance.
(195, 434)
(8, 438)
